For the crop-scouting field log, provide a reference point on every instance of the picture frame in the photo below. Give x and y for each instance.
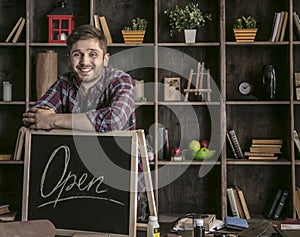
(172, 89)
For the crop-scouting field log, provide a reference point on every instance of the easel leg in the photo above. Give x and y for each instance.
(189, 85)
(146, 170)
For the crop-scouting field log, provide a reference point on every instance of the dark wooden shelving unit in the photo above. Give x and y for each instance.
(230, 63)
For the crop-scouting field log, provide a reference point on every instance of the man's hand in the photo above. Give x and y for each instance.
(40, 118)
(46, 118)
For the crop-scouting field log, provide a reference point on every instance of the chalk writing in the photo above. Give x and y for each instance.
(69, 181)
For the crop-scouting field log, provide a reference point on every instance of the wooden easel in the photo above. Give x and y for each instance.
(201, 75)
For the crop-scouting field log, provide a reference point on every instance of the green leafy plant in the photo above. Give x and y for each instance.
(188, 17)
(245, 23)
(137, 24)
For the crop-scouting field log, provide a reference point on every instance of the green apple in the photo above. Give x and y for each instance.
(204, 149)
(204, 153)
(194, 145)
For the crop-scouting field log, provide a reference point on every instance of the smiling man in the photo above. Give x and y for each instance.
(91, 96)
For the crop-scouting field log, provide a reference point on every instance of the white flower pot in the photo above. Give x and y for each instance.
(190, 36)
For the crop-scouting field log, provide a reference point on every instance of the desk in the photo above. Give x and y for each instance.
(256, 225)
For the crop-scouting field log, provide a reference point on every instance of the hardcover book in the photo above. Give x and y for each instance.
(231, 146)
(19, 31)
(105, 29)
(280, 205)
(297, 140)
(297, 25)
(273, 204)
(235, 222)
(232, 202)
(238, 203)
(13, 31)
(4, 208)
(265, 149)
(243, 203)
(290, 224)
(236, 143)
(256, 141)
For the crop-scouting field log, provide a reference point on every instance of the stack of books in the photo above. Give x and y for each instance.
(6, 214)
(264, 149)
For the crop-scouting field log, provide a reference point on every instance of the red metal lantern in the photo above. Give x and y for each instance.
(60, 23)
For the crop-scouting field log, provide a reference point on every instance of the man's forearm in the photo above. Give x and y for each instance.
(73, 121)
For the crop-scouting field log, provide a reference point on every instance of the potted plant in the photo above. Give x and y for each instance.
(245, 29)
(134, 34)
(188, 19)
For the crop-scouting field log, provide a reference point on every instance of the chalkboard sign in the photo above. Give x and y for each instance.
(81, 181)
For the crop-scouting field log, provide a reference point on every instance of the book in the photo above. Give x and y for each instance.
(273, 204)
(280, 205)
(231, 145)
(4, 208)
(105, 29)
(297, 25)
(297, 201)
(14, 30)
(238, 203)
(279, 26)
(297, 89)
(235, 222)
(232, 202)
(265, 149)
(9, 216)
(97, 22)
(236, 144)
(5, 156)
(19, 144)
(263, 157)
(257, 141)
(18, 33)
(243, 203)
(297, 140)
(266, 145)
(290, 224)
(286, 233)
(284, 24)
(276, 20)
(297, 79)
(248, 153)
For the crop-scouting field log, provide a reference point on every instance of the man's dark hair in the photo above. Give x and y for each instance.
(84, 32)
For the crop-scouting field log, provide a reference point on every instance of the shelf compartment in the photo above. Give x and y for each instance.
(254, 122)
(12, 58)
(120, 13)
(209, 33)
(182, 189)
(39, 22)
(9, 130)
(259, 183)
(252, 71)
